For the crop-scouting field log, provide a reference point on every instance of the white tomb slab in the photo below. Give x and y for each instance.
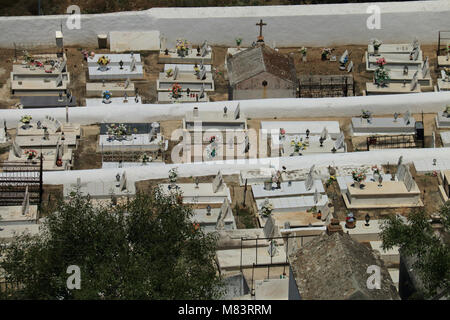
(134, 142)
(404, 48)
(391, 88)
(115, 59)
(363, 233)
(185, 67)
(204, 193)
(308, 146)
(117, 89)
(390, 256)
(256, 176)
(120, 41)
(115, 73)
(397, 76)
(394, 61)
(442, 121)
(173, 57)
(290, 204)
(391, 194)
(300, 127)
(443, 85)
(443, 62)
(102, 189)
(8, 232)
(13, 215)
(218, 218)
(115, 101)
(344, 180)
(297, 188)
(185, 80)
(166, 97)
(53, 139)
(231, 259)
(445, 138)
(362, 127)
(428, 166)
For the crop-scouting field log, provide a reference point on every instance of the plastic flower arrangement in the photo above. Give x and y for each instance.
(325, 53)
(359, 175)
(26, 119)
(266, 208)
(173, 174)
(447, 71)
(31, 154)
(116, 132)
(103, 61)
(381, 62)
(176, 91)
(375, 169)
(238, 41)
(303, 50)
(376, 43)
(169, 72)
(181, 47)
(381, 76)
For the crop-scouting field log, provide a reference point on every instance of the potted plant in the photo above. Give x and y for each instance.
(238, 43)
(358, 177)
(181, 47)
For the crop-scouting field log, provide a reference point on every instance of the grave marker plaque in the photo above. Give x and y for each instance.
(59, 80)
(425, 67)
(324, 133)
(401, 172)
(407, 117)
(202, 74)
(269, 227)
(62, 66)
(17, 149)
(133, 64)
(317, 196)
(408, 180)
(202, 91)
(127, 83)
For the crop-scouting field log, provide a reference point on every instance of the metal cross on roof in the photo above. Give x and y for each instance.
(261, 24)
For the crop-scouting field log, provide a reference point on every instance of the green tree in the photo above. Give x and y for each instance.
(146, 249)
(430, 252)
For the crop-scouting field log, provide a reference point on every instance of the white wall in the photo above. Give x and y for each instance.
(260, 108)
(160, 170)
(311, 25)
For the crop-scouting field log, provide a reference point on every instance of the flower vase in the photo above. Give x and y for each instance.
(375, 50)
(357, 184)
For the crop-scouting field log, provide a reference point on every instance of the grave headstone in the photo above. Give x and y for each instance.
(317, 196)
(175, 73)
(133, 64)
(217, 182)
(401, 172)
(127, 83)
(202, 74)
(59, 80)
(425, 67)
(350, 66)
(407, 117)
(415, 54)
(26, 202)
(340, 141)
(16, 149)
(237, 112)
(225, 211)
(324, 133)
(400, 161)
(310, 179)
(408, 180)
(415, 43)
(204, 49)
(202, 91)
(123, 181)
(269, 227)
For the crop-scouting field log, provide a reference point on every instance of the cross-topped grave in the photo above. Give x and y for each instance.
(261, 24)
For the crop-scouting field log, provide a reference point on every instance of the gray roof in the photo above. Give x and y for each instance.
(253, 61)
(334, 267)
